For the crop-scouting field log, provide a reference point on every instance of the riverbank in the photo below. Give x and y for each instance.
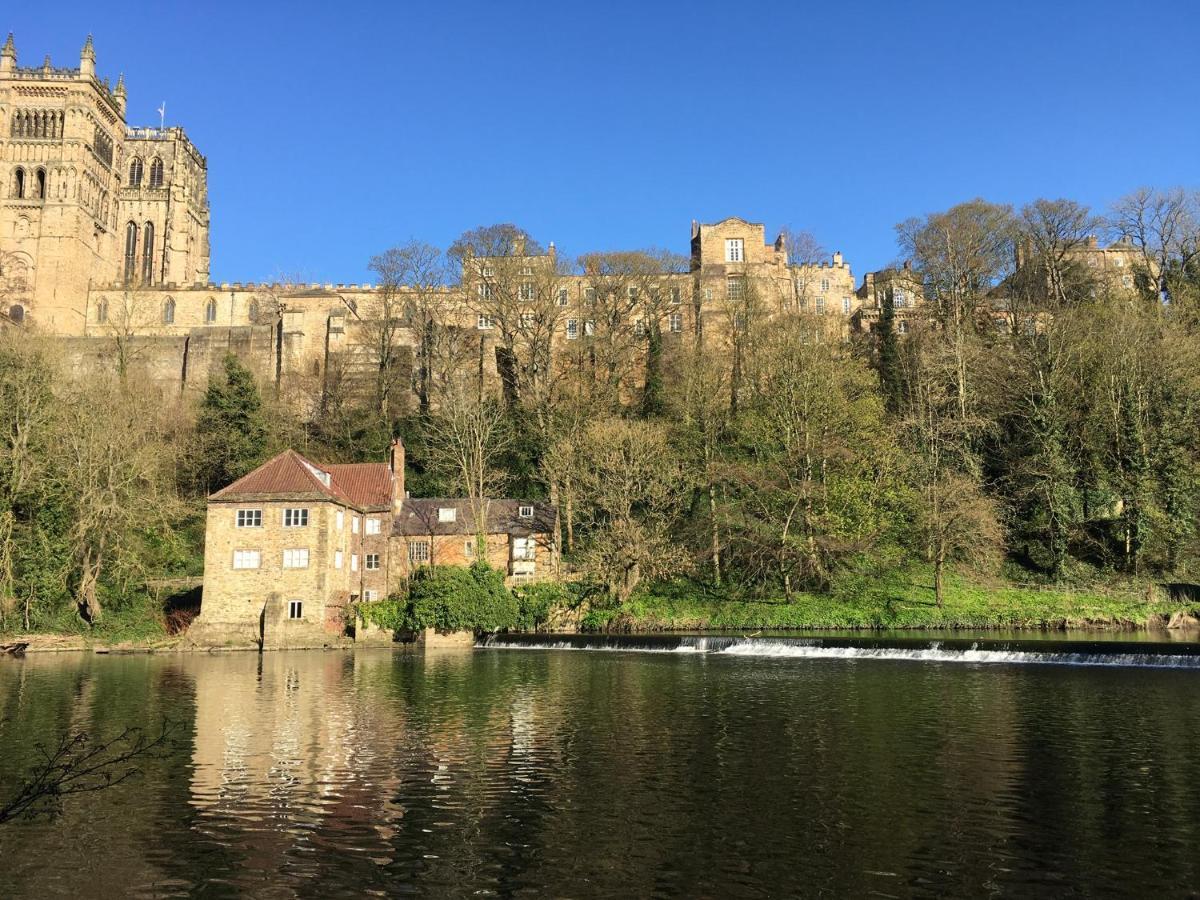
(899, 602)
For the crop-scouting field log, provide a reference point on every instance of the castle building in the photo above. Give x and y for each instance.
(290, 546)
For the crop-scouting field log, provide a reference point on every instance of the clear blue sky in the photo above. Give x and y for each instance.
(334, 130)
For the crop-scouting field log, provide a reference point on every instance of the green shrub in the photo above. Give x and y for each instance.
(451, 598)
(535, 603)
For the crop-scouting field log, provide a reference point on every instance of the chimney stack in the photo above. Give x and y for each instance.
(396, 464)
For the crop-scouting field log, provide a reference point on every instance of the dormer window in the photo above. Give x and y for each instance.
(447, 514)
(525, 512)
(734, 250)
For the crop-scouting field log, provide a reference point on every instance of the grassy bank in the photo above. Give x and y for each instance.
(899, 601)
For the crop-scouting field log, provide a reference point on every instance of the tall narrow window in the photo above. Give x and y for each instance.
(169, 312)
(131, 239)
(102, 310)
(148, 254)
(40, 185)
(733, 250)
(135, 172)
(295, 609)
(156, 173)
(210, 311)
(19, 185)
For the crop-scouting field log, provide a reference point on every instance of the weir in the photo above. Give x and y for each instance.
(939, 650)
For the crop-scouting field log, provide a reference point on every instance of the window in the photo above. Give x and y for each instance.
(562, 297)
(148, 254)
(824, 285)
(676, 296)
(572, 329)
(341, 519)
(295, 609)
(589, 294)
(1127, 281)
(633, 292)
(527, 320)
(469, 549)
(820, 304)
(354, 524)
(210, 311)
(675, 323)
(902, 327)
(295, 559)
(135, 172)
(589, 327)
(846, 305)
(19, 185)
(131, 239)
(371, 562)
(735, 288)
(526, 290)
(523, 548)
(900, 300)
(295, 518)
(247, 559)
(447, 514)
(418, 551)
(338, 556)
(708, 293)
(353, 562)
(372, 526)
(485, 293)
(733, 250)
(370, 596)
(102, 310)
(526, 270)
(40, 185)
(156, 173)
(249, 518)
(484, 322)
(487, 271)
(169, 312)
(525, 512)
(639, 327)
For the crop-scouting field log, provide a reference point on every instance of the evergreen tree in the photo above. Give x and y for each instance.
(231, 427)
(887, 360)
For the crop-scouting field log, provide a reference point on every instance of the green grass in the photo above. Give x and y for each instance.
(903, 600)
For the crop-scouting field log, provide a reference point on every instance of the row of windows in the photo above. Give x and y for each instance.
(146, 233)
(297, 517)
(674, 325)
(37, 123)
(523, 548)
(298, 559)
(527, 291)
(137, 170)
(29, 185)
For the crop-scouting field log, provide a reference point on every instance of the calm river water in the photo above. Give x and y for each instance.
(703, 772)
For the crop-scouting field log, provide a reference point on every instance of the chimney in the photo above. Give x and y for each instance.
(837, 257)
(396, 465)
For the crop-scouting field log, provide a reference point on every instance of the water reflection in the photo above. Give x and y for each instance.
(539, 773)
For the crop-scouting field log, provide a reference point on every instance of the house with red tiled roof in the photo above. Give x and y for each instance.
(291, 546)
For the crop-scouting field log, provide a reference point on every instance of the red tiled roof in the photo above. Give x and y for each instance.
(289, 476)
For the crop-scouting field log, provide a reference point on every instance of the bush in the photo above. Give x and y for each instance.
(535, 603)
(451, 598)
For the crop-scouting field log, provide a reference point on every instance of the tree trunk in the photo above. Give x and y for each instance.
(938, 565)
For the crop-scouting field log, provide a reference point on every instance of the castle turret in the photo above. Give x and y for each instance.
(8, 56)
(87, 60)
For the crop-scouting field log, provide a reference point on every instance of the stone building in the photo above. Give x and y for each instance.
(290, 546)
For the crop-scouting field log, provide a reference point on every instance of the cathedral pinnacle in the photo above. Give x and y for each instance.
(88, 49)
(9, 49)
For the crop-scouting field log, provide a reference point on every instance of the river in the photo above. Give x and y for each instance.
(653, 767)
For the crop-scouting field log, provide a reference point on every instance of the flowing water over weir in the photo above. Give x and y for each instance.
(943, 650)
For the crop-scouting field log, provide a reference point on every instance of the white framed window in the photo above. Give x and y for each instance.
(527, 320)
(249, 518)
(525, 291)
(734, 250)
(370, 596)
(469, 549)
(526, 270)
(341, 519)
(562, 297)
(485, 291)
(247, 559)
(354, 524)
(338, 556)
(589, 328)
(447, 514)
(295, 609)
(824, 285)
(572, 329)
(1127, 281)
(900, 300)
(735, 287)
(675, 323)
(295, 518)
(372, 526)
(418, 551)
(487, 271)
(525, 511)
(820, 304)
(523, 548)
(353, 562)
(371, 562)
(846, 305)
(295, 559)
(483, 323)
(589, 294)
(676, 296)
(902, 327)
(708, 293)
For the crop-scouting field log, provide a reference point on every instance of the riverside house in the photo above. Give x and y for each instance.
(290, 546)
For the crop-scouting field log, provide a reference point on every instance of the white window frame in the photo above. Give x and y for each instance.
(353, 562)
(372, 525)
(846, 306)
(524, 548)
(525, 511)
(484, 323)
(295, 517)
(735, 250)
(563, 297)
(338, 556)
(249, 518)
(675, 323)
(354, 524)
(368, 559)
(528, 320)
(370, 596)
(572, 329)
(419, 551)
(447, 514)
(295, 558)
(243, 558)
(469, 549)
(341, 519)
(295, 609)
(526, 291)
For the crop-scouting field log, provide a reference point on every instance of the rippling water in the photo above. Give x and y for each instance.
(540, 772)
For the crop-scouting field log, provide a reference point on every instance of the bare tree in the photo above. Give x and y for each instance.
(1164, 227)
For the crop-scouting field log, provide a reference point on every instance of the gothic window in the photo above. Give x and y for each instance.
(17, 313)
(135, 172)
(19, 185)
(40, 185)
(102, 310)
(131, 239)
(156, 173)
(169, 312)
(148, 254)
(210, 311)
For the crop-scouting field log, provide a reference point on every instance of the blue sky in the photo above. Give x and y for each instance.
(335, 130)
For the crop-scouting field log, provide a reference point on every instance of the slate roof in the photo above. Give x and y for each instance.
(289, 476)
(420, 517)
